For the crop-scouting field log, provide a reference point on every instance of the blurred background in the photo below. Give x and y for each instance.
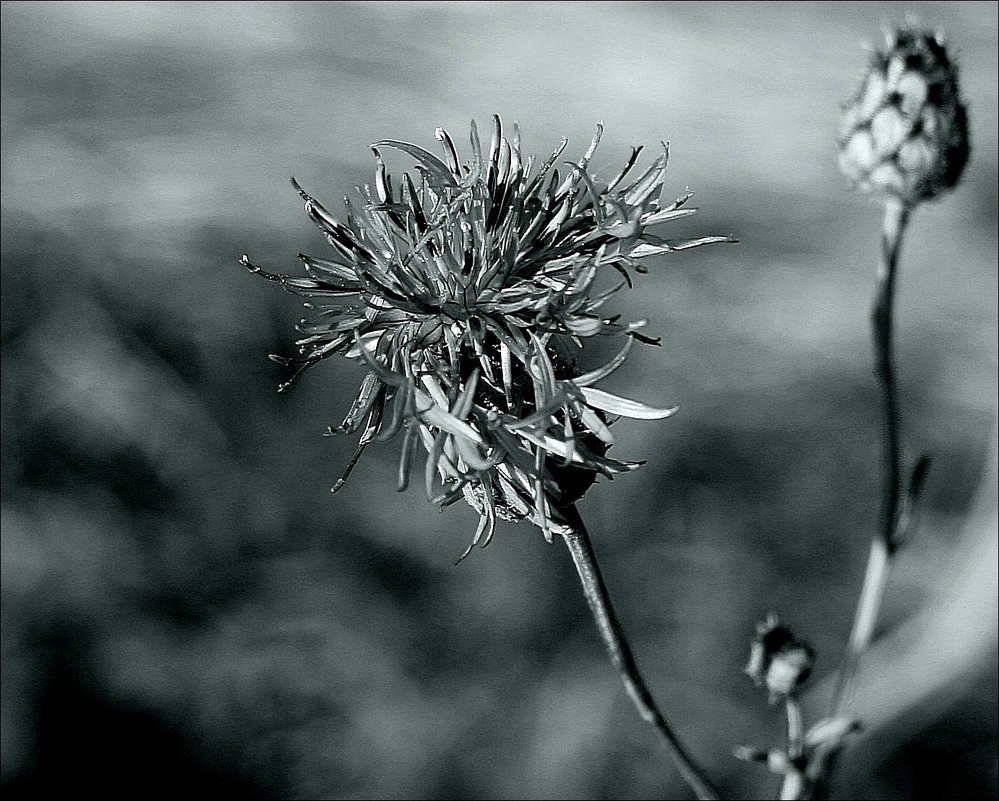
(187, 608)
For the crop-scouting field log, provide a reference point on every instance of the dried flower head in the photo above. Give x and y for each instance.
(462, 293)
(778, 660)
(905, 132)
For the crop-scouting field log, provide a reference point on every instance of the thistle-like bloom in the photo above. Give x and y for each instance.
(463, 293)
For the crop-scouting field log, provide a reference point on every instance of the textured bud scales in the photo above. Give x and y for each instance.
(905, 132)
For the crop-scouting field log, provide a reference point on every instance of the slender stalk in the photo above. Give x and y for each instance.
(884, 543)
(794, 786)
(795, 727)
(598, 598)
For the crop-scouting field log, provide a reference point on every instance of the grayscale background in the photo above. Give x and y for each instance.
(185, 606)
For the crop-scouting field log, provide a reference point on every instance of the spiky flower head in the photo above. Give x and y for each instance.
(905, 132)
(463, 292)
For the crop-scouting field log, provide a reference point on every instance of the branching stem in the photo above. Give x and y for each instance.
(598, 598)
(892, 501)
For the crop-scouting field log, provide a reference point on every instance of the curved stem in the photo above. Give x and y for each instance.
(886, 540)
(882, 327)
(598, 598)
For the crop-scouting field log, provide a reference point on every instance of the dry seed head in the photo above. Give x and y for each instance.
(905, 132)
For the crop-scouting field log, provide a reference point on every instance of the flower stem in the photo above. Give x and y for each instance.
(794, 785)
(886, 540)
(598, 598)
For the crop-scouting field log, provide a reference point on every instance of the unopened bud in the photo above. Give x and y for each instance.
(905, 132)
(778, 660)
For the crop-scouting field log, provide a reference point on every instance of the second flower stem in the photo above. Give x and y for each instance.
(886, 539)
(612, 634)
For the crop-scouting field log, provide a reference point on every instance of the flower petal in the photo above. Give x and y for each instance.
(586, 379)
(435, 167)
(625, 407)
(670, 245)
(434, 415)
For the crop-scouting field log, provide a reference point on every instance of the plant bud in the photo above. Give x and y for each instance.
(778, 660)
(905, 132)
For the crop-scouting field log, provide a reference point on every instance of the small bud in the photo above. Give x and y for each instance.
(778, 660)
(905, 132)
(750, 753)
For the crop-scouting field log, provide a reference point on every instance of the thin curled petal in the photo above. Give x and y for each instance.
(434, 415)
(437, 168)
(674, 245)
(625, 407)
(590, 378)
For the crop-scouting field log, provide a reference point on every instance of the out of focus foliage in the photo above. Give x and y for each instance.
(184, 604)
